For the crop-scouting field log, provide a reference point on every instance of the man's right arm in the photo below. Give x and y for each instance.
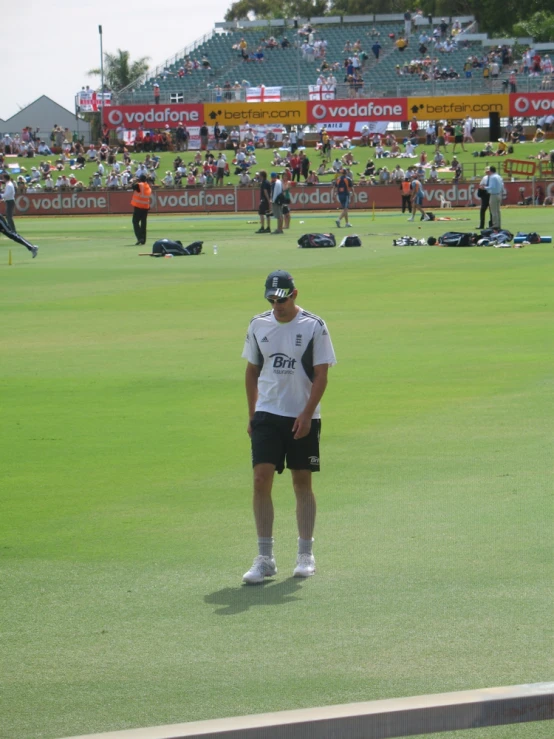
(251, 383)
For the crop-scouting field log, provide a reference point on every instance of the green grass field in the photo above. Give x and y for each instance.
(126, 480)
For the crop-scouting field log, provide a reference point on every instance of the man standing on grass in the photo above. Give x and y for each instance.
(8, 196)
(264, 209)
(141, 205)
(495, 188)
(417, 200)
(485, 197)
(277, 199)
(289, 352)
(344, 190)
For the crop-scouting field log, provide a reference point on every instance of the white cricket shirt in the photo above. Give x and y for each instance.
(287, 354)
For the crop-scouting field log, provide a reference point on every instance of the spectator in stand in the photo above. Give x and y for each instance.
(433, 175)
(401, 43)
(156, 91)
(376, 49)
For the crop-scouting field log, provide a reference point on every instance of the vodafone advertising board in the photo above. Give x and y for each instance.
(236, 199)
(154, 116)
(532, 103)
(363, 110)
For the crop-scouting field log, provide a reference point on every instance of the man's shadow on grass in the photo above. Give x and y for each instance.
(241, 599)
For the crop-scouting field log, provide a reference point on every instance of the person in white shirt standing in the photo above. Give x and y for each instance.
(9, 199)
(7, 226)
(289, 352)
(277, 200)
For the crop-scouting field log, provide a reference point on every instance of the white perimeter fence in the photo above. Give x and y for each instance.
(382, 719)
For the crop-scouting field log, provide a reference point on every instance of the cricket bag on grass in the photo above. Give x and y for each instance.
(316, 241)
(175, 248)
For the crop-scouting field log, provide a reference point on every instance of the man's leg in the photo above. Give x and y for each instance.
(144, 216)
(262, 503)
(495, 210)
(136, 224)
(14, 236)
(305, 518)
(10, 207)
(305, 503)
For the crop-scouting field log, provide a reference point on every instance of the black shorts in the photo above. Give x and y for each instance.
(459, 139)
(264, 208)
(273, 443)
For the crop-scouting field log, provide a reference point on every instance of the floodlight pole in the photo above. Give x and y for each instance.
(297, 59)
(101, 78)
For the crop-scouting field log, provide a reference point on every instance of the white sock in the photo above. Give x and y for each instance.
(305, 546)
(265, 546)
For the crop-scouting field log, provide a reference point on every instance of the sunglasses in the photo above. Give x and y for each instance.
(278, 300)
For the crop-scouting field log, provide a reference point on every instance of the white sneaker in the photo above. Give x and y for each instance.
(262, 567)
(34, 251)
(338, 224)
(411, 219)
(348, 225)
(305, 566)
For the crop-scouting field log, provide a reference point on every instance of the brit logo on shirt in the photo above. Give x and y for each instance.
(298, 340)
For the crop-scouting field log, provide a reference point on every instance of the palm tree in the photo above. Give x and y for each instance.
(119, 71)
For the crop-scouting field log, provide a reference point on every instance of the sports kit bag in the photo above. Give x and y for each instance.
(175, 248)
(493, 232)
(353, 240)
(316, 241)
(454, 238)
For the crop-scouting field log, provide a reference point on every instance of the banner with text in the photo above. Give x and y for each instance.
(235, 114)
(244, 199)
(154, 116)
(532, 103)
(448, 107)
(354, 111)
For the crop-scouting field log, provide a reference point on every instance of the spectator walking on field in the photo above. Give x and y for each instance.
(344, 191)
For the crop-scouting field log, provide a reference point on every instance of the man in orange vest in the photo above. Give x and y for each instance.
(141, 205)
(405, 186)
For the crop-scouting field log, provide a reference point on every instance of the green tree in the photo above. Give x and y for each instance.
(540, 26)
(242, 9)
(119, 71)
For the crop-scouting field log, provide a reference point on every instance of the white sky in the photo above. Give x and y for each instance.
(47, 47)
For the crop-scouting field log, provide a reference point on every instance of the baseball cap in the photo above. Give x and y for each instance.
(274, 174)
(279, 283)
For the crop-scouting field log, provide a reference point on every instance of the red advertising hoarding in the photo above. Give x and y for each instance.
(530, 104)
(154, 116)
(358, 110)
(236, 199)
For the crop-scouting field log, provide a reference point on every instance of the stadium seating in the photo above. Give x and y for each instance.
(287, 68)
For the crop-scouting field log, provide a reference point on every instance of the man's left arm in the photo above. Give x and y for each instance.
(303, 422)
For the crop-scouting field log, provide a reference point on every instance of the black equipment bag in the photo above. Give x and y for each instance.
(175, 248)
(316, 241)
(488, 232)
(454, 238)
(353, 240)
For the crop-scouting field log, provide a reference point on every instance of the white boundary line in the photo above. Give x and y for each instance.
(380, 719)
